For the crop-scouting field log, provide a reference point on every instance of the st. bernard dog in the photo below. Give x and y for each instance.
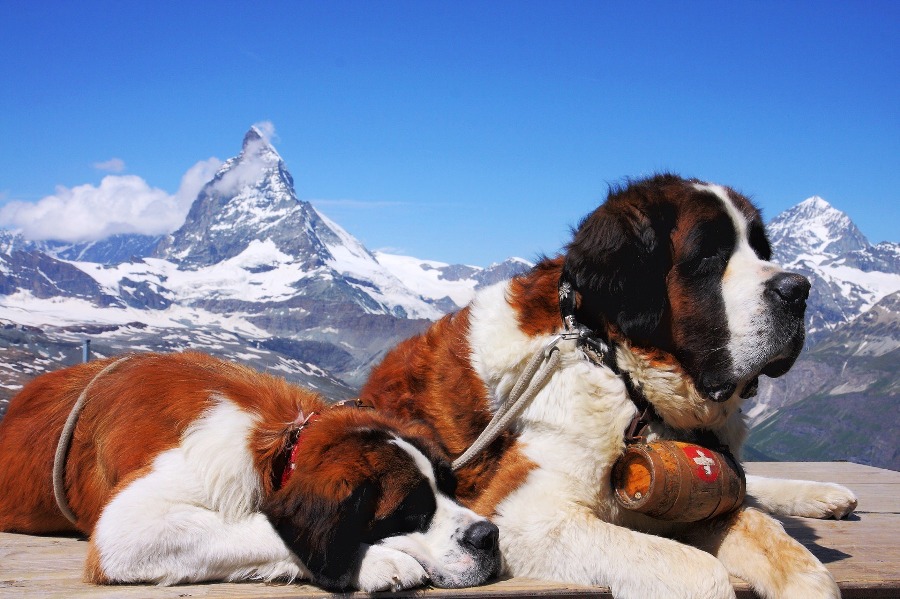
(185, 468)
(669, 288)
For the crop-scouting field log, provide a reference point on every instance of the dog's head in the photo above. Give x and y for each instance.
(683, 266)
(362, 479)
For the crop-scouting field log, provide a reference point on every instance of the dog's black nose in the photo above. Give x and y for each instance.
(482, 536)
(789, 287)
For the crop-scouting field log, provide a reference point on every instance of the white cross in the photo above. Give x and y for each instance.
(704, 460)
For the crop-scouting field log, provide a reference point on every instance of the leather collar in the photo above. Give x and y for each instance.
(284, 464)
(602, 352)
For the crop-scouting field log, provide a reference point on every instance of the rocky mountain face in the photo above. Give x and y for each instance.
(848, 274)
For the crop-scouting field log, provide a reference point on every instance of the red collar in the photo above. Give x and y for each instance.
(285, 461)
(289, 453)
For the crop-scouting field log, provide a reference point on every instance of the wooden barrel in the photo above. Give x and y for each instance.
(680, 482)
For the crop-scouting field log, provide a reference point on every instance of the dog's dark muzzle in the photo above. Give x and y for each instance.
(787, 292)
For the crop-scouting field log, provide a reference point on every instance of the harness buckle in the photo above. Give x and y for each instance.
(570, 334)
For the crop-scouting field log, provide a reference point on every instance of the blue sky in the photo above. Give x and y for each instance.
(457, 131)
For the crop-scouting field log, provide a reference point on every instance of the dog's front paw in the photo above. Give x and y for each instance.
(827, 500)
(806, 498)
(817, 584)
(384, 569)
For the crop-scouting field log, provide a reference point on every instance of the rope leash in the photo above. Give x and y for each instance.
(65, 440)
(539, 369)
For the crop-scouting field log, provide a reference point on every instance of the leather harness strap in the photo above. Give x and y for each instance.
(602, 352)
(541, 367)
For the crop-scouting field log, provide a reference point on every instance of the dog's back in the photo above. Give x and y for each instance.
(35, 416)
(126, 422)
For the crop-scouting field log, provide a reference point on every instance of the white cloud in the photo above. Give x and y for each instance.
(243, 173)
(267, 130)
(120, 204)
(192, 182)
(113, 165)
(257, 156)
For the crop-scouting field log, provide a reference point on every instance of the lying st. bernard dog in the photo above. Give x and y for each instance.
(185, 468)
(671, 280)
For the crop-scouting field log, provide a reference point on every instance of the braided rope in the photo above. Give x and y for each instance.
(537, 371)
(65, 439)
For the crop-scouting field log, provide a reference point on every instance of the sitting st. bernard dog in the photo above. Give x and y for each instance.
(186, 468)
(664, 304)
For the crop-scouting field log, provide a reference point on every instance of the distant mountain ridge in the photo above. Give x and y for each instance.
(116, 249)
(254, 274)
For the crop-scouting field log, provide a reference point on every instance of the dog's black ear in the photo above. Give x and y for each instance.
(325, 533)
(618, 260)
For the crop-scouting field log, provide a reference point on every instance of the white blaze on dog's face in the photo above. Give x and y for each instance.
(360, 482)
(457, 547)
(684, 267)
(764, 304)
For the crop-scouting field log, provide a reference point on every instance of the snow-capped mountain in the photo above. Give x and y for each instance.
(249, 217)
(24, 270)
(848, 274)
(251, 264)
(811, 230)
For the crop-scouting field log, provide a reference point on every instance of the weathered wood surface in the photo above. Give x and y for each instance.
(863, 553)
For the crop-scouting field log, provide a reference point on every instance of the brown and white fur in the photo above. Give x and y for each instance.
(174, 471)
(676, 276)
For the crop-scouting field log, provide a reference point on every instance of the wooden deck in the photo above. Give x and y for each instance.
(863, 553)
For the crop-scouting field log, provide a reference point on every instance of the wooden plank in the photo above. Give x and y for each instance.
(51, 567)
(878, 489)
(876, 498)
(846, 473)
(862, 553)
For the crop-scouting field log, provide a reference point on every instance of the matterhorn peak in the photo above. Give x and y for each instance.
(251, 198)
(257, 147)
(253, 135)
